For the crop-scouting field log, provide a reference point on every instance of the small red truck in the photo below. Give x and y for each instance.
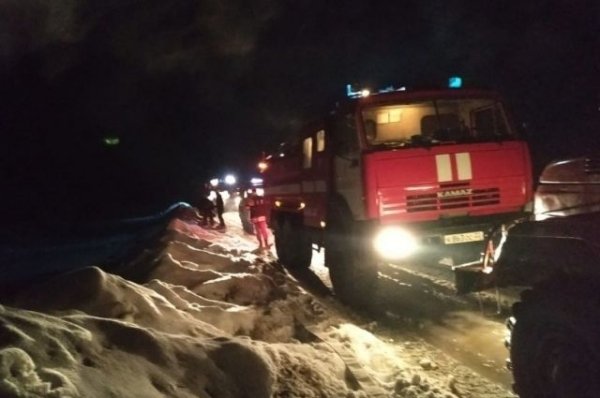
(390, 175)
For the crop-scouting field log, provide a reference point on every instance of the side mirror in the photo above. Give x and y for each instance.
(370, 130)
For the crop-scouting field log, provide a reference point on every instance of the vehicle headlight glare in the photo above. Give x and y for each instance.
(395, 243)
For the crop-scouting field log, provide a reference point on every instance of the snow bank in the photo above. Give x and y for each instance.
(212, 320)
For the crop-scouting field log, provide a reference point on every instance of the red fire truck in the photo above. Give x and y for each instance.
(390, 175)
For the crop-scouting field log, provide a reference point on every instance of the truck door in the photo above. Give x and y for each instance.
(347, 175)
(316, 171)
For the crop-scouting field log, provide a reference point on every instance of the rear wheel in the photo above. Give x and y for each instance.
(293, 245)
(554, 344)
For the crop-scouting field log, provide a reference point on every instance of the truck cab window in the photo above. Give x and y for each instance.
(434, 122)
(489, 122)
(320, 140)
(307, 146)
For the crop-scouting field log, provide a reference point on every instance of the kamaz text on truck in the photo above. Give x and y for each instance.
(386, 176)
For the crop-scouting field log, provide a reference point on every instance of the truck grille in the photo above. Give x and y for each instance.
(445, 199)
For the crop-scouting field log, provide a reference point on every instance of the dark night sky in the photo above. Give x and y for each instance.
(196, 87)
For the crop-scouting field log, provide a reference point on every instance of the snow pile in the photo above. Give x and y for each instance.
(211, 320)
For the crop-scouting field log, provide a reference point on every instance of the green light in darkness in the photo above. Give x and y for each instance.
(111, 141)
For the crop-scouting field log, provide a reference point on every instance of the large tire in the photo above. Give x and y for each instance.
(293, 245)
(280, 247)
(352, 267)
(554, 345)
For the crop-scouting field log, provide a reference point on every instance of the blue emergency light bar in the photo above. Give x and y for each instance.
(455, 82)
(352, 93)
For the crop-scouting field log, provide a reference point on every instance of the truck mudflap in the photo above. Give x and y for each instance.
(469, 278)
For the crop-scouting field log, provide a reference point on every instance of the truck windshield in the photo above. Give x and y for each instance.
(436, 122)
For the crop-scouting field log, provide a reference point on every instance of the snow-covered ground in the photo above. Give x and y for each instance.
(202, 315)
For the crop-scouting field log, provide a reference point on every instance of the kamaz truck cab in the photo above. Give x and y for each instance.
(388, 175)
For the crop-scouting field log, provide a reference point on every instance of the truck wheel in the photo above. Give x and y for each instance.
(352, 270)
(354, 281)
(554, 345)
(293, 245)
(279, 241)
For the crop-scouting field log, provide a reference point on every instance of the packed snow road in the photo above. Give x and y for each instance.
(419, 298)
(470, 328)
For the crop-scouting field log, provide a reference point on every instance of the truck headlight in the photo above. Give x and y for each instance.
(395, 243)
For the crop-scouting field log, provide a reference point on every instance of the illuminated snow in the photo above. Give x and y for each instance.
(210, 320)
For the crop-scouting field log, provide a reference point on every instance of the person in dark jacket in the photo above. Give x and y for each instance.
(205, 208)
(220, 207)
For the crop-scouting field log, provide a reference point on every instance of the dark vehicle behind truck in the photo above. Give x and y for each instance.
(554, 331)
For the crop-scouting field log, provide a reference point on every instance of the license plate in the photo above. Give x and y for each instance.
(463, 238)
